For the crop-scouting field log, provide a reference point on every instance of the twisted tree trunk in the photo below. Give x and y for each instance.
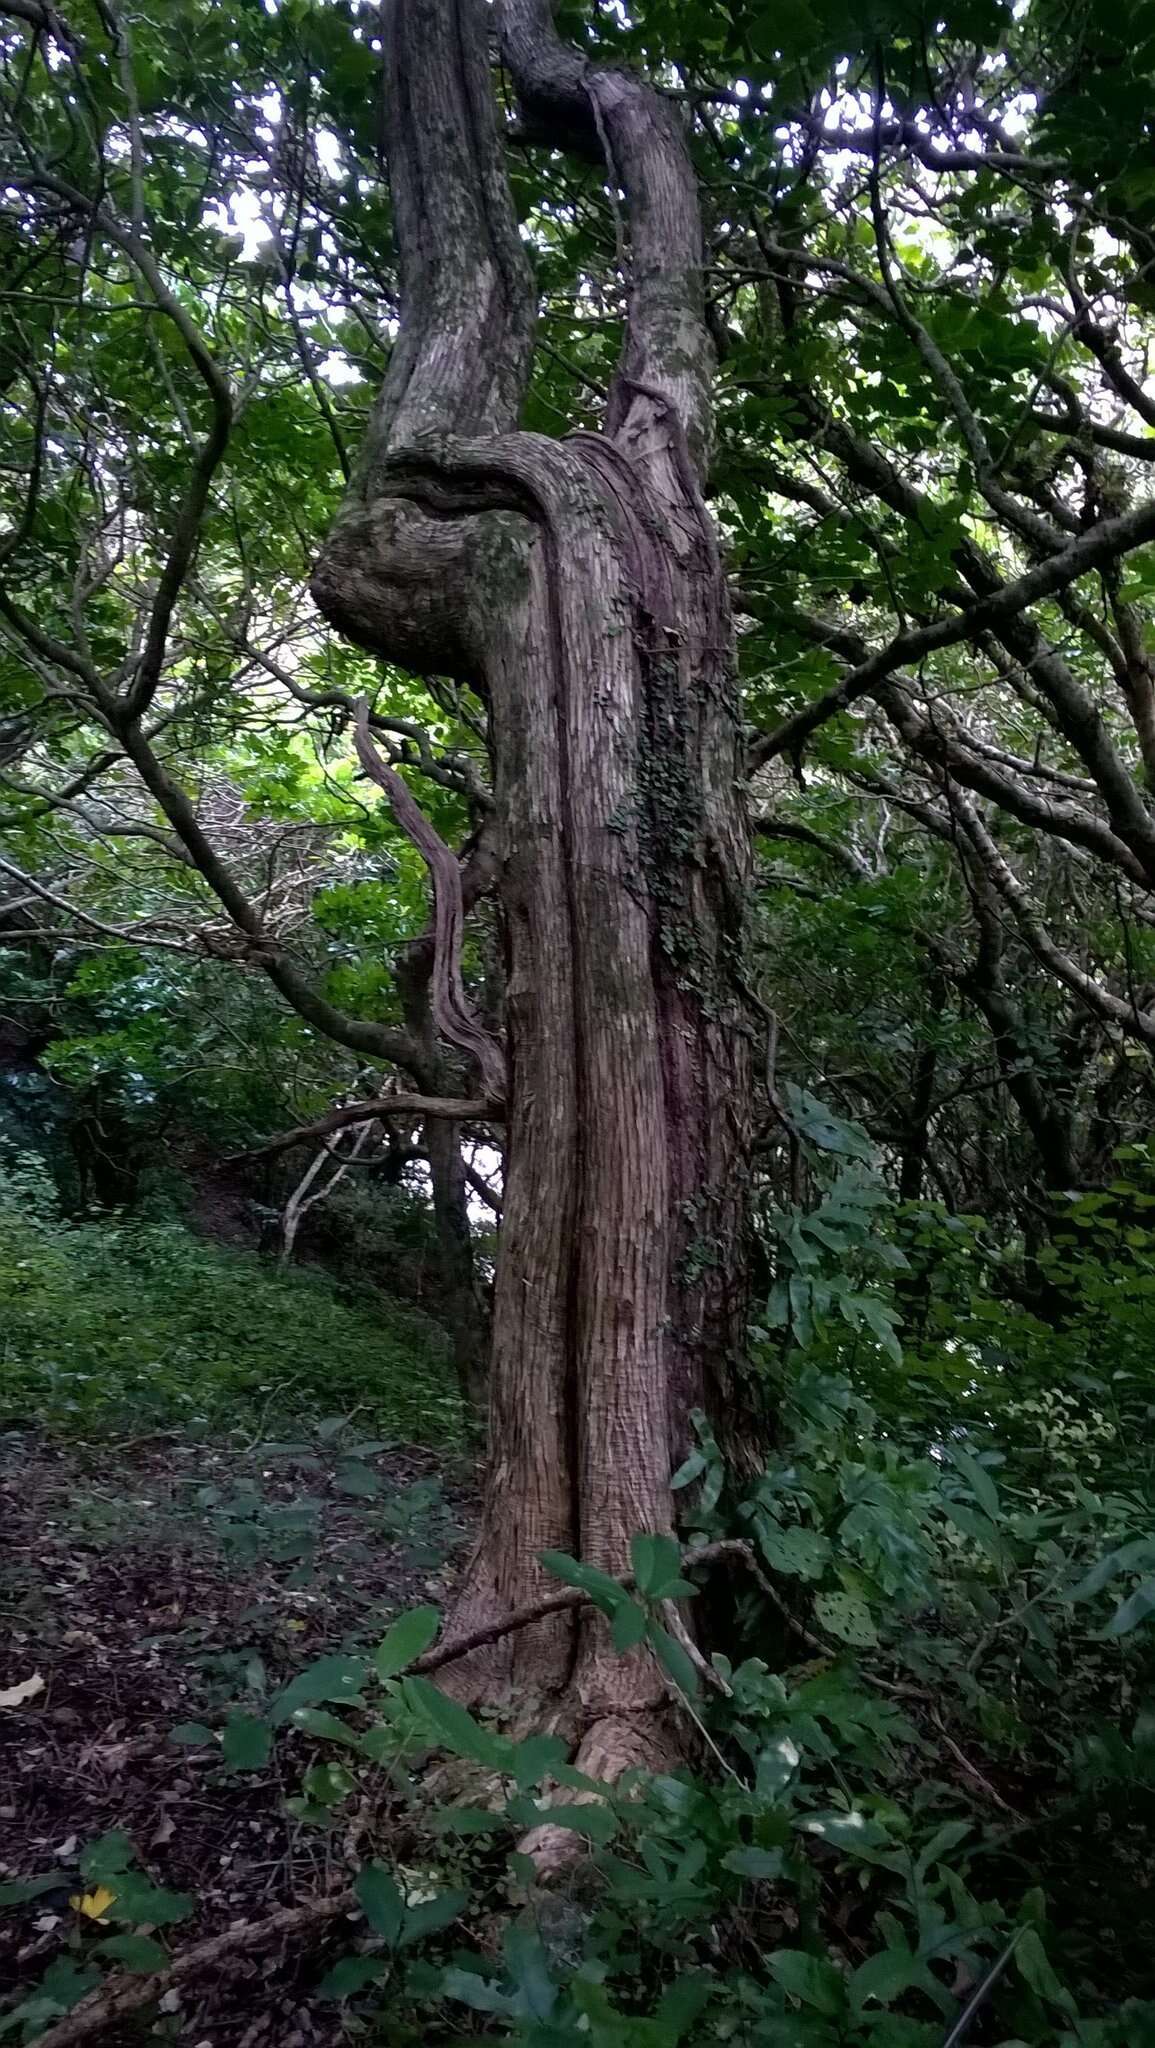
(576, 586)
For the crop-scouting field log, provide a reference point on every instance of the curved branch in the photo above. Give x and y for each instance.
(457, 1110)
(668, 344)
(453, 1016)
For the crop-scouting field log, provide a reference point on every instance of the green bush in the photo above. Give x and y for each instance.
(111, 1325)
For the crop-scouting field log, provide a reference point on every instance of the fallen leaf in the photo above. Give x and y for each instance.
(95, 1904)
(27, 1690)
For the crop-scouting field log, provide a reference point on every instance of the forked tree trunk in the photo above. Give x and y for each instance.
(576, 585)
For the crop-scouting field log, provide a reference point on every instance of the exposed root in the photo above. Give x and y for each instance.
(616, 1743)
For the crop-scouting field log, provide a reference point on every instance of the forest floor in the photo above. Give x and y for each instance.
(160, 1582)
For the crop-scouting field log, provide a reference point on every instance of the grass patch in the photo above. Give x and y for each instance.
(115, 1326)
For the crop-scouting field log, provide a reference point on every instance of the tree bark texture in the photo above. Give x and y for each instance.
(576, 585)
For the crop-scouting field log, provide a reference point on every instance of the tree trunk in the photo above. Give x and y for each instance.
(576, 584)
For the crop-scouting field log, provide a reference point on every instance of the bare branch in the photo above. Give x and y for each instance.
(453, 1015)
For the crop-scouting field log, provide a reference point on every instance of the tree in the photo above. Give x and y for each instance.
(576, 585)
(926, 449)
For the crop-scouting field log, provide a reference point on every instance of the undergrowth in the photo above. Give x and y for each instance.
(122, 1325)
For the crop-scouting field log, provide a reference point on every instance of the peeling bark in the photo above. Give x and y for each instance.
(576, 585)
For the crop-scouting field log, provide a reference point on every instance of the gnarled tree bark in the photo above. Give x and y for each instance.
(576, 585)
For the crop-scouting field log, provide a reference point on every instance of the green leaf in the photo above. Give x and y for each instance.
(328, 1784)
(528, 1966)
(410, 1635)
(432, 1915)
(589, 1817)
(683, 2002)
(811, 1979)
(690, 1469)
(330, 1678)
(844, 1830)
(777, 1764)
(944, 1839)
(797, 1553)
(1035, 1970)
(107, 1856)
(884, 1977)
(326, 1727)
(453, 1725)
(604, 1591)
(1140, 1551)
(380, 1900)
(246, 1742)
(469, 1820)
(978, 1479)
(1133, 1610)
(143, 1903)
(191, 1734)
(628, 1626)
(657, 1564)
(20, 1889)
(138, 1953)
(351, 1975)
(537, 1757)
(849, 1618)
(359, 1481)
(673, 1659)
(751, 1862)
(479, 1993)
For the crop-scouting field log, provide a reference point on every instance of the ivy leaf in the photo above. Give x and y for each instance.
(690, 1469)
(192, 1735)
(141, 1901)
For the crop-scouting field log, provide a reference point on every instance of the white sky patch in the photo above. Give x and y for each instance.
(328, 151)
(336, 370)
(241, 216)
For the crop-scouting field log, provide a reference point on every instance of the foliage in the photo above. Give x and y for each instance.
(946, 1688)
(115, 1325)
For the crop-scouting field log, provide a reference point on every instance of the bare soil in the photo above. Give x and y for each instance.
(142, 1584)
